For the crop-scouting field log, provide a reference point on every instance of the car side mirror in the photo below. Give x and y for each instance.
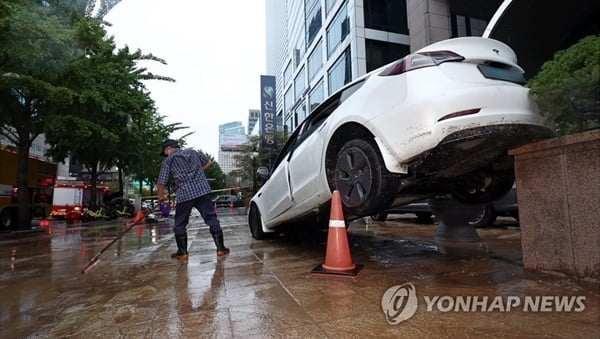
(263, 173)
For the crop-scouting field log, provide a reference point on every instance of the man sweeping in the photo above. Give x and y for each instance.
(186, 167)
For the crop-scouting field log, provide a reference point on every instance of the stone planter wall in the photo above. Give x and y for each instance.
(558, 188)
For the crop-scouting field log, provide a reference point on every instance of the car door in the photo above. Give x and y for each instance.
(306, 177)
(305, 167)
(275, 193)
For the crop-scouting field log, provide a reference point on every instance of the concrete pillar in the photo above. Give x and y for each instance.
(558, 189)
(428, 22)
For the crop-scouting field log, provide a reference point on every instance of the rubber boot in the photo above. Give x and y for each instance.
(182, 253)
(221, 249)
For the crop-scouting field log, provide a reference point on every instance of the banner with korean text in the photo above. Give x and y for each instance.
(268, 107)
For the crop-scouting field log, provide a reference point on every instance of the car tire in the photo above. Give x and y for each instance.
(500, 183)
(382, 216)
(486, 218)
(361, 178)
(255, 223)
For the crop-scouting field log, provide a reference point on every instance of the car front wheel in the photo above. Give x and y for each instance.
(361, 177)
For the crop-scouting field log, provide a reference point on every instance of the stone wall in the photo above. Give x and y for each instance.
(558, 188)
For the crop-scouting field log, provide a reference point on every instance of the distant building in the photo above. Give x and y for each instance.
(232, 136)
(253, 116)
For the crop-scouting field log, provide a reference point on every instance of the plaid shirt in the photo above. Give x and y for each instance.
(185, 166)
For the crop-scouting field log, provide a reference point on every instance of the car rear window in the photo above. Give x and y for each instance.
(501, 72)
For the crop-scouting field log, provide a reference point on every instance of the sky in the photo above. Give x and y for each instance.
(215, 50)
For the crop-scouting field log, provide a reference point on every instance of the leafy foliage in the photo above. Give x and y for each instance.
(36, 45)
(253, 156)
(567, 88)
(60, 75)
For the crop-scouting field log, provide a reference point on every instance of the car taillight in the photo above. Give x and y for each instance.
(420, 60)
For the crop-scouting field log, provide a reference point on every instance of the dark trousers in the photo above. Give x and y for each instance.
(204, 205)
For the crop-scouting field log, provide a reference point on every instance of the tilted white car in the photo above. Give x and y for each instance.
(439, 121)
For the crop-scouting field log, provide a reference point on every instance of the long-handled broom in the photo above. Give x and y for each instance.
(138, 218)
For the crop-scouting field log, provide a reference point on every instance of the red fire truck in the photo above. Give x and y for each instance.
(71, 198)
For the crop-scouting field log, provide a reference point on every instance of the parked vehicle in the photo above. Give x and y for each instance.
(71, 198)
(439, 121)
(226, 200)
(505, 206)
(419, 208)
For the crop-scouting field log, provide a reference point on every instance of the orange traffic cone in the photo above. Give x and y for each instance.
(215, 206)
(337, 258)
(231, 206)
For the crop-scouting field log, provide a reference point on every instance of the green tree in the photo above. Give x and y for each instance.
(214, 174)
(141, 158)
(567, 88)
(97, 127)
(36, 46)
(252, 156)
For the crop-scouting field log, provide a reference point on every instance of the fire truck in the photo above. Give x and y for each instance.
(40, 180)
(71, 198)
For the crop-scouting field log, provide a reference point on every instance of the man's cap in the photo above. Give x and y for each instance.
(168, 143)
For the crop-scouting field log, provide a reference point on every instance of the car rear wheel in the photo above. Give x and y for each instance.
(255, 223)
(361, 177)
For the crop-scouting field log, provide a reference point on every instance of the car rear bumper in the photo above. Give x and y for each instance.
(471, 149)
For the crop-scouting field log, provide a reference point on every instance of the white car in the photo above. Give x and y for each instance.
(439, 121)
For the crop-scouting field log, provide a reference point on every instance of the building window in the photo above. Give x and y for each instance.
(287, 74)
(315, 61)
(288, 100)
(299, 84)
(329, 5)
(288, 125)
(380, 53)
(300, 113)
(312, 12)
(316, 96)
(340, 73)
(389, 16)
(280, 121)
(466, 26)
(338, 29)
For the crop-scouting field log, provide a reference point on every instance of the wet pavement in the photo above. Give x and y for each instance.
(265, 289)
